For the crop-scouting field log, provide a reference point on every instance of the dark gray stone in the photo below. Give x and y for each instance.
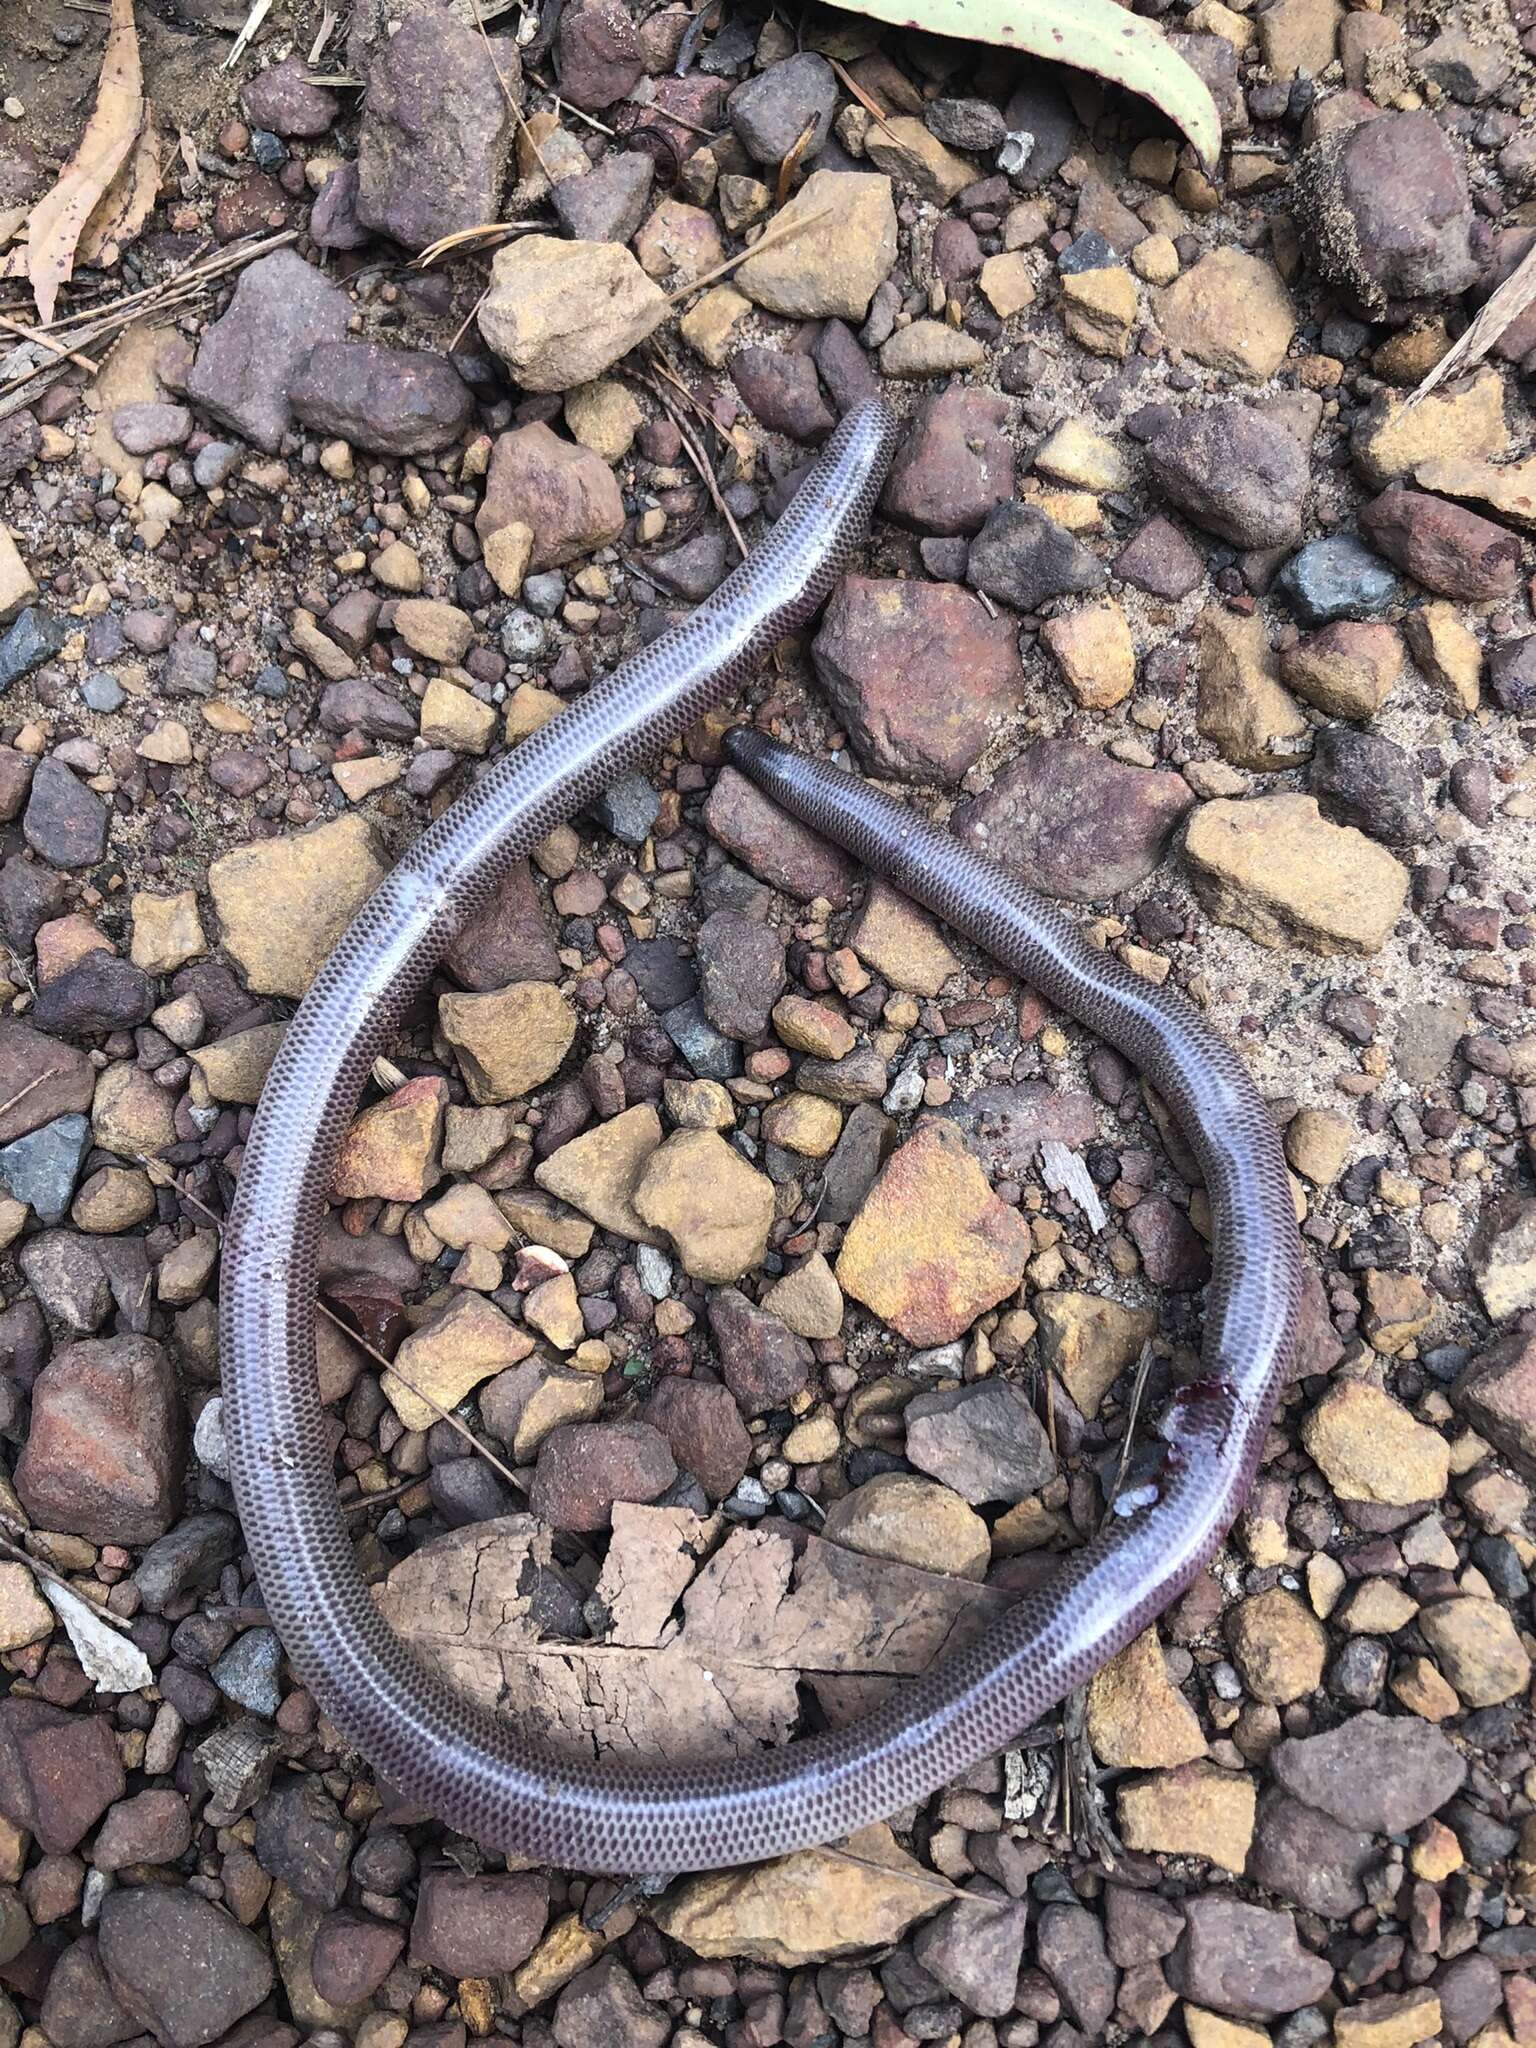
(1337, 578)
(42, 1168)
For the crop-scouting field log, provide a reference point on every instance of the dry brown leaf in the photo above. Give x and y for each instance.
(126, 204)
(703, 1649)
(59, 219)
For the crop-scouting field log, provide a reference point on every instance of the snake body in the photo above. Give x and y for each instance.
(474, 1772)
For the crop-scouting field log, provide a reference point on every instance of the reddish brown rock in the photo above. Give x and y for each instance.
(507, 939)
(477, 1926)
(776, 847)
(917, 672)
(59, 1772)
(584, 1467)
(437, 129)
(397, 401)
(1445, 547)
(106, 1451)
(566, 495)
(703, 1426)
(599, 58)
(1073, 822)
(955, 464)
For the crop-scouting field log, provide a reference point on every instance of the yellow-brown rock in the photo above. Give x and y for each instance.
(912, 1521)
(1137, 1717)
(1242, 708)
(391, 1150)
(716, 1209)
(901, 943)
(1095, 653)
(1274, 867)
(1198, 1809)
(1230, 312)
(932, 1247)
(1278, 1645)
(467, 1342)
(1369, 1448)
(283, 903)
(807, 1124)
(167, 931)
(509, 1041)
(1088, 1341)
(599, 1171)
(1398, 2019)
(803, 1908)
(1460, 420)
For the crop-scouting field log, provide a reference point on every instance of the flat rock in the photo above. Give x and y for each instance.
(1504, 1258)
(917, 673)
(391, 1149)
(437, 128)
(477, 1925)
(507, 939)
(599, 1171)
(1451, 428)
(783, 852)
(509, 1041)
(1137, 1717)
(1276, 869)
(841, 250)
(1497, 1394)
(1195, 1809)
(1478, 1647)
(282, 308)
(1371, 1449)
(391, 401)
(1234, 471)
(715, 1208)
(565, 495)
(1244, 1960)
(181, 1966)
(1231, 312)
(1073, 822)
(1377, 1772)
(1090, 1340)
(1242, 707)
(764, 1363)
(600, 59)
(65, 822)
(932, 1247)
(107, 1447)
(984, 1441)
(283, 903)
(1348, 669)
(954, 465)
(900, 942)
(585, 1467)
(1023, 557)
(59, 1772)
(803, 1908)
(560, 313)
(704, 1429)
(465, 1343)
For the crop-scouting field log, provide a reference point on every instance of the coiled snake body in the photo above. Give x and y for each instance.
(476, 1773)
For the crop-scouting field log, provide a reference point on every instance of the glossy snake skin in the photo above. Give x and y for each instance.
(480, 1775)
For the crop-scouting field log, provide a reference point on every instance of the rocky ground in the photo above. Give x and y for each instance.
(721, 1197)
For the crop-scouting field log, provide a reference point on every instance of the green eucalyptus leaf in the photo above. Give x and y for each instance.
(1090, 35)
